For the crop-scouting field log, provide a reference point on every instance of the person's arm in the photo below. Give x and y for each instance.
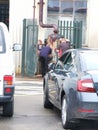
(50, 53)
(58, 48)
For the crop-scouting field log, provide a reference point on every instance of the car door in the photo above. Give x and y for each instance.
(70, 82)
(53, 76)
(56, 77)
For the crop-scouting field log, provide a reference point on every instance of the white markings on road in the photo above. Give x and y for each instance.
(23, 88)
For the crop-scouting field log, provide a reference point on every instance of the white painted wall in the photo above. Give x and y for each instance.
(19, 10)
(92, 24)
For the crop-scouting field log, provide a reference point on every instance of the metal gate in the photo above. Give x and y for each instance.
(72, 31)
(30, 38)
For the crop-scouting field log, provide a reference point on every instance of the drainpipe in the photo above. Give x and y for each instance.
(34, 10)
(41, 19)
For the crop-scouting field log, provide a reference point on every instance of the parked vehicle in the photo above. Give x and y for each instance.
(72, 86)
(7, 71)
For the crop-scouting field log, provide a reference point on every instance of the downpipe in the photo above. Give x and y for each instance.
(54, 26)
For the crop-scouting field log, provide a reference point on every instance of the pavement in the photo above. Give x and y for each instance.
(25, 86)
(27, 78)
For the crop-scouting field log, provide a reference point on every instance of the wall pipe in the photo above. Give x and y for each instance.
(54, 26)
(34, 10)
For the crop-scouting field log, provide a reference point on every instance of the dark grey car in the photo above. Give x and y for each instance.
(72, 86)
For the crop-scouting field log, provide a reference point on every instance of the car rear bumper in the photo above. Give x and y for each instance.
(85, 106)
(86, 113)
(8, 96)
(4, 99)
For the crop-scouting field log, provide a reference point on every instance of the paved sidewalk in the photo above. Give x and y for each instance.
(24, 78)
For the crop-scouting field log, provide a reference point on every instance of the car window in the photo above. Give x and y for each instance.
(59, 65)
(89, 61)
(64, 56)
(2, 41)
(68, 62)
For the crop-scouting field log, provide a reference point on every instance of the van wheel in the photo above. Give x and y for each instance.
(8, 109)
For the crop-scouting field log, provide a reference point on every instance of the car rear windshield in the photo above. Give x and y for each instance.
(2, 41)
(89, 60)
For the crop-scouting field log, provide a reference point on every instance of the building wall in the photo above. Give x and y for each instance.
(19, 10)
(92, 24)
(23, 9)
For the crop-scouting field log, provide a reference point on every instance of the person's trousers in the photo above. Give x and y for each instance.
(44, 65)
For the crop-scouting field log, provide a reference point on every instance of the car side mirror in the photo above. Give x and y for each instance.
(17, 47)
(51, 66)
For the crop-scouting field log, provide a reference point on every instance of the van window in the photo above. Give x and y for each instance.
(2, 41)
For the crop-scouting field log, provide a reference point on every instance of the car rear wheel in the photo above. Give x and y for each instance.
(8, 109)
(64, 115)
(47, 103)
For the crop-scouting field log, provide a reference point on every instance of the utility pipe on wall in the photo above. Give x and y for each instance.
(41, 18)
(34, 10)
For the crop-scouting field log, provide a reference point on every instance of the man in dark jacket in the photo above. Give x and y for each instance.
(45, 57)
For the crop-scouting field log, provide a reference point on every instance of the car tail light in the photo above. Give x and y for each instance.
(8, 80)
(85, 86)
(86, 110)
(8, 90)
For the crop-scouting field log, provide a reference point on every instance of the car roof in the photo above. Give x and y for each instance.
(82, 50)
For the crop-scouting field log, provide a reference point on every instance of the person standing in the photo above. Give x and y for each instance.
(63, 45)
(39, 46)
(45, 57)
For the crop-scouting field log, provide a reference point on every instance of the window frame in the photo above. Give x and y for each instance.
(2, 40)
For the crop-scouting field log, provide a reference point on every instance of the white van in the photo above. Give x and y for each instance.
(7, 72)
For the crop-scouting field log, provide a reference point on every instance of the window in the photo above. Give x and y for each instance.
(80, 7)
(89, 61)
(66, 7)
(2, 41)
(67, 10)
(68, 62)
(59, 65)
(64, 57)
(53, 6)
